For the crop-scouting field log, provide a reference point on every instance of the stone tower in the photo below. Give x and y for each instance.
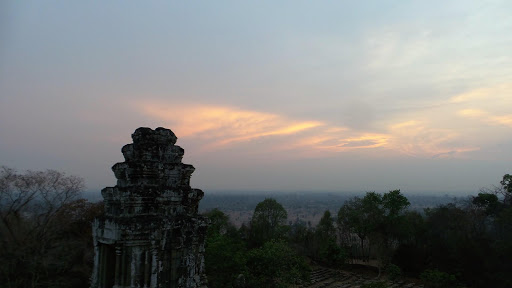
(151, 235)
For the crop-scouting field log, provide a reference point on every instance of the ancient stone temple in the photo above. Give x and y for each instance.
(151, 235)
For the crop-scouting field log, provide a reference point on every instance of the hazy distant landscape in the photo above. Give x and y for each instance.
(304, 206)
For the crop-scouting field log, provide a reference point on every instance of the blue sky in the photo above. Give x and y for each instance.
(293, 95)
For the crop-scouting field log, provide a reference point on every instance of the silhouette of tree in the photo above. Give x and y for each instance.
(29, 202)
(361, 216)
(45, 232)
(268, 222)
(379, 219)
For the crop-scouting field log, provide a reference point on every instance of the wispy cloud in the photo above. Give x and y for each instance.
(488, 105)
(392, 49)
(487, 117)
(329, 141)
(222, 127)
(418, 138)
(505, 120)
(471, 113)
(498, 94)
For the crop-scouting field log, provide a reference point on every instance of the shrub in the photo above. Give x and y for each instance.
(438, 279)
(276, 265)
(394, 272)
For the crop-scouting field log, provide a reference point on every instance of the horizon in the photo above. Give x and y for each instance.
(93, 195)
(265, 96)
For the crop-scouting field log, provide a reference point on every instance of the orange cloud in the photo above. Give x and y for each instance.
(471, 113)
(287, 130)
(340, 142)
(219, 127)
(225, 125)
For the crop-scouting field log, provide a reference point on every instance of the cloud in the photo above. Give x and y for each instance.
(486, 117)
(223, 127)
(391, 48)
(472, 113)
(328, 140)
(418, 138)
(505, 120)
(493, 95)
(445, 154)
(493, 104)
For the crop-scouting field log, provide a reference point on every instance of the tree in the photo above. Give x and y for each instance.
(361, 216)
(219, 222)
(276, 265)
(410, 254)
(393, 227)
(504, 191)
(298, 233)
(42, 228)
(377, 218)
(394, 204)
(35, 195)
(325, 227)
(350, 221)
(324, 246)
(503, 247)
(506, 183)
(455, 243)
(268, 222)
(225, 252)
(487, 202)
(225, 259)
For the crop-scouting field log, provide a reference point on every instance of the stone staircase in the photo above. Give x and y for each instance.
(329, 278)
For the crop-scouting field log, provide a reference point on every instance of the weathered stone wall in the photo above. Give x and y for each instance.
(151, 235)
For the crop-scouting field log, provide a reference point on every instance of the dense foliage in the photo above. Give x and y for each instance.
(453, 244)
(380, 219)
(255, 256)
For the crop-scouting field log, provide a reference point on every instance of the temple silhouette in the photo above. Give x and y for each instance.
(151, 234)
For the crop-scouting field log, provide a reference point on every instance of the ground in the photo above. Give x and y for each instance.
(357, 276)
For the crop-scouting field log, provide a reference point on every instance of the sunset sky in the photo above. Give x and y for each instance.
(264, 95)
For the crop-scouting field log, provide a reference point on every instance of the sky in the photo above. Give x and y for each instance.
(264, 95)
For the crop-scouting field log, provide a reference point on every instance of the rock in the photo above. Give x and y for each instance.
(151, 235)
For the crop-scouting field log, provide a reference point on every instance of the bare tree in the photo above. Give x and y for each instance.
(36, 196)
(32, 205)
